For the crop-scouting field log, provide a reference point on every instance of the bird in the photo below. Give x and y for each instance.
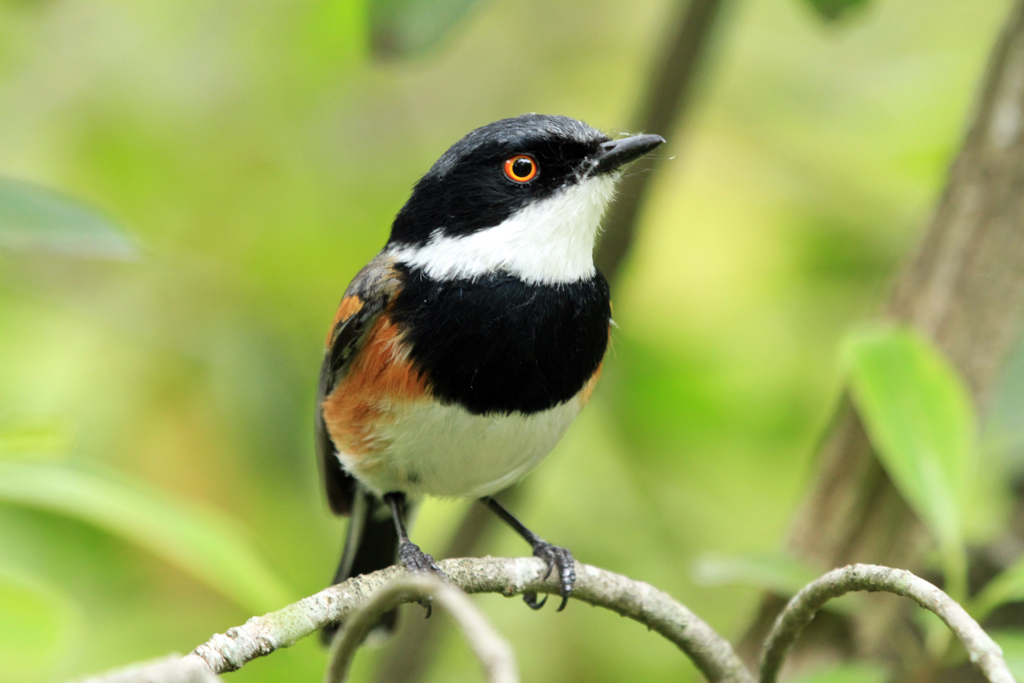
(461, 353)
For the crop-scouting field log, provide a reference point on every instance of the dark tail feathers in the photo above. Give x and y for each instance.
(371, 544)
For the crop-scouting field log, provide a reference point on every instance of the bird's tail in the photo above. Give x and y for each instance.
(370, 544)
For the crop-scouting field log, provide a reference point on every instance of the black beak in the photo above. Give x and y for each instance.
(617, 153)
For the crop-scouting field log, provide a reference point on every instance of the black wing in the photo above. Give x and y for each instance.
(369, 294)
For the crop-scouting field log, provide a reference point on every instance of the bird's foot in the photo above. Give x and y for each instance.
(554, 557)
(415, 560)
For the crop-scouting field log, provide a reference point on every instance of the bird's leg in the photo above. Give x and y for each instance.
(413, 559)
(553, 556)
(410, 555)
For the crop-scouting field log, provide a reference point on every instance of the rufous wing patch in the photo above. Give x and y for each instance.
(380, 379)
(350, 305)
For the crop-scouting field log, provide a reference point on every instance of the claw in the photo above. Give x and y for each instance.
(552, 555)
(561, 558)
(531, 601)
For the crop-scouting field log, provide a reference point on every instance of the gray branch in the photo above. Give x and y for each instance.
(639, 601)
(360, 600)
(985, 654)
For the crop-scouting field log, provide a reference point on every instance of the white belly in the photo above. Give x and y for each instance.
(446, 451)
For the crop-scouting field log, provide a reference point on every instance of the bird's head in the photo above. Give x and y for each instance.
(522, 196)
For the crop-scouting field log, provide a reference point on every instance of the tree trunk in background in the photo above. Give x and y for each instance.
(964, 288)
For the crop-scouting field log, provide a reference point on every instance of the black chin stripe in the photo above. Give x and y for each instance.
(500, 345)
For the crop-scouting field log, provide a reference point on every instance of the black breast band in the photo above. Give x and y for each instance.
(500, 345)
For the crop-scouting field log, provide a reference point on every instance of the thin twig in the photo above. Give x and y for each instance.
(984, 653)
(493, 651)
(639, 601)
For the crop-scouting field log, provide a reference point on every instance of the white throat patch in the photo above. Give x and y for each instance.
(547, 242)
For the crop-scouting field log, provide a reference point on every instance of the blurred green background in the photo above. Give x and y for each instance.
(153, 406)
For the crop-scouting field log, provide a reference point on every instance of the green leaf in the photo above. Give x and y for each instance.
(404, 28)
(34, 219)
(35, 622)
(1012, 643)
(919, 417)
(203, 543)
(847, 673)
(835, 10)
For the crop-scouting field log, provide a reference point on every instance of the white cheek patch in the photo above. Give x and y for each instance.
(547, 242)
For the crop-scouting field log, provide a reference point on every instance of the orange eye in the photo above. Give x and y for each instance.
(521, 168)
